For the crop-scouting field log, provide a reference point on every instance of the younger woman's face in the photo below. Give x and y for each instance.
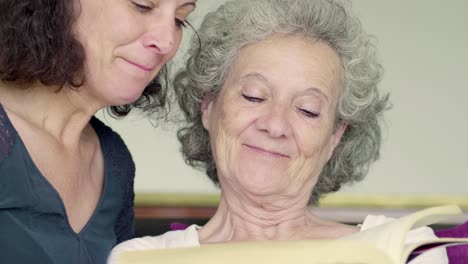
(127, 42)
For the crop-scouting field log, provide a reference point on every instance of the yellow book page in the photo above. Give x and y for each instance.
(390, 237)
(384, 244)
(278, 252)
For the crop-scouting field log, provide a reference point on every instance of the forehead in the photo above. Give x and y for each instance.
(291, 60)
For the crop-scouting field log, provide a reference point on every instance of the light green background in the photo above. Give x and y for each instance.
(424, 48)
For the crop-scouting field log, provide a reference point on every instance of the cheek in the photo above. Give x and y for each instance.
(303, 172)
(310, 143)
(223, 146)
(313, 147)
(232, 118)
(227, 125)
(313, 137)
(178, 38)
(92, 71)
(177, 41)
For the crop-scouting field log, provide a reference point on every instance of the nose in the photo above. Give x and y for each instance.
(275, 122)
(161, 35)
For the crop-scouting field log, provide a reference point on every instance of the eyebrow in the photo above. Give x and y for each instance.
(194, 4)
(253, 75)
(259, 76)
(318, 92)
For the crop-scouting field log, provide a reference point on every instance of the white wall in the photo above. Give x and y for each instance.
(424, 47)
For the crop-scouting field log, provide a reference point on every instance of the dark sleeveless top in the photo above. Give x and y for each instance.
(33, 222)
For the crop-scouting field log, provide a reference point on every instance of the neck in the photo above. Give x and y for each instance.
(239, 219)
(63, 114)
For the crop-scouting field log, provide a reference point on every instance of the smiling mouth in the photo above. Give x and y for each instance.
(266, 152)
(147, 69)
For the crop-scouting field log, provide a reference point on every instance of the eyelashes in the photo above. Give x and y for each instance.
(146, 9)
(253, 98)
(142, 8)
(305, 112)
(180, 23)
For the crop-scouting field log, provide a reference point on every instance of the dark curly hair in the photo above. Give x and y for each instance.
(37, 43)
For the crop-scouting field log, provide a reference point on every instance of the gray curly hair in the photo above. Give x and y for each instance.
(241, 22)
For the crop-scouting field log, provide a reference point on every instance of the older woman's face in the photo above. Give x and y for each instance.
(272, 125)
(127, 42)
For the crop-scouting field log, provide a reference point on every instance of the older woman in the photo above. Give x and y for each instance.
(65, 178)
(282, 106)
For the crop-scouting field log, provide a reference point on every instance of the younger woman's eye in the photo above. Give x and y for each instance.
(252, 98)
(142, 8)
(180, 24)
(308, 114)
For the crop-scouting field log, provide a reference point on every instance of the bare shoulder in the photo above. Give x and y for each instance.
(319, 228)
(341, 230)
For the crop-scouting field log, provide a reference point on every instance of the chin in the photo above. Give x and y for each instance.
(130, 95)
(262, 185)
(130, 99)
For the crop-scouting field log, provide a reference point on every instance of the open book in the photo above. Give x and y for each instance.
(390, 237)
(382, 244)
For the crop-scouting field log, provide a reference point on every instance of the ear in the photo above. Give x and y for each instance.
(206, 109)
(336, 137)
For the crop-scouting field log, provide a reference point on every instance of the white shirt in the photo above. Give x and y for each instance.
(171, 239)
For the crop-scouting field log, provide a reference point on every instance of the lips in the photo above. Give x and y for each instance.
(144, 67)
(265, 151)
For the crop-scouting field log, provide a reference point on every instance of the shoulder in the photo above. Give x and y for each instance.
(114, 149)
(320, 228)
(332, 230)
(7, 135)
(171, 239)
(105, 132)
